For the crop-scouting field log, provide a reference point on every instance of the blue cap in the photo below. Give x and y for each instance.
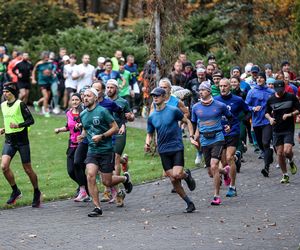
(158, 91)
(255, 69)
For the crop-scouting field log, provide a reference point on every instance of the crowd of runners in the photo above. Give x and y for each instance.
(255, 106)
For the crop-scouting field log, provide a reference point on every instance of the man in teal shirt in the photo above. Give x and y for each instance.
(98, 127)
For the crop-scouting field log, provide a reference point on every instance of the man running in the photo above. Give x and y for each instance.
(235, 105)
(164, 119)
(207, 114)
(282, 107)
(98, 127)
(17, 118)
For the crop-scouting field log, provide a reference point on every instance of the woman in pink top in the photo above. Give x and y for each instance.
(73, 119)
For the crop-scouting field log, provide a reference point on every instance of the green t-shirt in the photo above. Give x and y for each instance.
(115, 64)
(126, 89)
(97, 122)
(44, 73)
(121, 102)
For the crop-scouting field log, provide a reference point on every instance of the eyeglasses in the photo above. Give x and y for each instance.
(156, 95)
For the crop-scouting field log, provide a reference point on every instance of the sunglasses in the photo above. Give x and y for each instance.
(156, 95)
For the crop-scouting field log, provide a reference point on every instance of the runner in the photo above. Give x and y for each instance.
(98, 127)
(164, 119)
(282, 107)
(235, 105)
(17, 118)
(257, 100)
(207, 114)
(72, 123)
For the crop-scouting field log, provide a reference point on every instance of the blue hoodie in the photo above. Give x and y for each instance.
(258, 96)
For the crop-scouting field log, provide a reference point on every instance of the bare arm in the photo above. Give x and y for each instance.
(183, 109)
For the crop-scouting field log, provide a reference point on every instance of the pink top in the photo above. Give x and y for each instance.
(72, 120)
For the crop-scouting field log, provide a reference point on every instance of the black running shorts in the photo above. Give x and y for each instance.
(11, 150)
(105, 162)
(232, 141)
(171, 159)
(212, 151)
(283, 138)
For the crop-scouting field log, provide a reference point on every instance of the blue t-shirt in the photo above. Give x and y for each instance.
(235, 105)
(165, 122)
(258, 96)
(133, 69)
(208, 119)
(110, 105)
(112, 75)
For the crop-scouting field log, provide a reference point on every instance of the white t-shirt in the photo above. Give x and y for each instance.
(87, 78)
(68, 71)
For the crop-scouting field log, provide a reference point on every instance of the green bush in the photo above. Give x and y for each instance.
(22, 20)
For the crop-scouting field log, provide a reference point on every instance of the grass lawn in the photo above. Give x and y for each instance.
(48, 157)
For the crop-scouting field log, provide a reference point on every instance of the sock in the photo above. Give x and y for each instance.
(14, 188)
(187, 200)
(82, 189)
(36, 190)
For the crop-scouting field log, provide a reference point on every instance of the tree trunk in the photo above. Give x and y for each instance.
(250, 25)
(157, 43)
(96, 6)
(123, 9)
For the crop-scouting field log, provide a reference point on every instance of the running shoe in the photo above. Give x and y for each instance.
(190, 208)
(173, 191)
(81, 196)
(190, 180)
(113, 195)
(124, 163)
(127, 184)
(47, 114)
(285, 179)
(227, 179)
(36, 202)
(231, 192)
(87, 199)
(293, 167)
(216, 201)
(36, 106)
(106, 196)
(96, 212)
(56, 110)
(14, 197)
(265, 172)
(120, 198)
(261, 155)
(198, 160)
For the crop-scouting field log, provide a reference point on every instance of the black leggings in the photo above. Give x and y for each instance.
(263, 136)
(79, 165)
(75, 173)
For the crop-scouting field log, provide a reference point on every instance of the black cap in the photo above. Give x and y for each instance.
(211, 57)
(278, 86)
(255, 69)
(262, 74)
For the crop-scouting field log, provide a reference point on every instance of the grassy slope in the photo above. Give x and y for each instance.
(49, 161)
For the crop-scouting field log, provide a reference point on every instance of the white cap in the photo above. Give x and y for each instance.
(93, 90)
(65, 58)
(113, 82)
(101, 59)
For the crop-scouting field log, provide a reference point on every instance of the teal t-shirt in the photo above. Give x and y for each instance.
(97, 122)
(44, 73)
(126, 89)
(121, 102)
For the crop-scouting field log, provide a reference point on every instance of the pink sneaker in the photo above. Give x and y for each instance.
(227, 179)
(113, 195)
(81, 196)
(216, 201)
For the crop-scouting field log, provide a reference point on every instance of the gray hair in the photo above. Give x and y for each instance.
(166, 80)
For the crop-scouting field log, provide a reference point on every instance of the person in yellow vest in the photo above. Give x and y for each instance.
(17, 118)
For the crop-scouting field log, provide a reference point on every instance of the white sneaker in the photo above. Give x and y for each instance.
(56, 110)
(198, 160)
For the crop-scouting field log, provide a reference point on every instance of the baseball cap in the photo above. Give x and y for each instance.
(278, 85)
(65, 58)
(201, 70)
(158, 91)
(101, 59)
(255, 69)
(113, 82)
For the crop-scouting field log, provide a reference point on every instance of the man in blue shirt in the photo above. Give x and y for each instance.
(164, 119)
(235, 105)
(208, 113)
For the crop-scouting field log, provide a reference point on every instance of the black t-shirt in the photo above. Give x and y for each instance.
(25, 68)
(277, 107)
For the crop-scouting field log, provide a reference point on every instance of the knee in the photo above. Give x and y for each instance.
(229, 159)
(177, 176)
(287, 152)
(214, 168)
(280, 153)
(28, 169)
(4, 167)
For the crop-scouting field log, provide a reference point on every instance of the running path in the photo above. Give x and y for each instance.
(264, 215)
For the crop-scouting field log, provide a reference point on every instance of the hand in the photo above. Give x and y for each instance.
(82, 74)
(2, 131)
(33, 81)
(272, 121)
(257, 108)
(227, 128)
(285, 116)
(97, 138)
(121, 130)
(19, 75)
(194, 142)
(80, 138)
(13, 125)
(78, 126)
(147, 148)
(56, 130)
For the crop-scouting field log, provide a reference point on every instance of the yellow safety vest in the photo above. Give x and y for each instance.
(12, 114)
